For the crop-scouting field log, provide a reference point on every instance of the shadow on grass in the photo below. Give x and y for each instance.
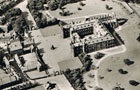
(122, 21)
(118, 39)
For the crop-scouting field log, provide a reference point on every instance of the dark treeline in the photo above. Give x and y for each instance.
(4, 8)
(41, 20)
(133, 1)
(15, 20)
(55, 4)
(34, 6)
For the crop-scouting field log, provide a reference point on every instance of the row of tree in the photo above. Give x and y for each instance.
(133, 1)
(75, 78)
(1, 30)
(34, 6)
(55, 4)
(4, 8)
(42, 21)
(86, 61)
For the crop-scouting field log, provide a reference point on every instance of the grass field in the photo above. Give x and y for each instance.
(63, 49)
(91, 7)
(129, 33)
(51, 31)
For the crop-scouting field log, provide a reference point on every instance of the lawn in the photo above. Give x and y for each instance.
(51, 31)
(129, 33)
(62, 52)
(91, 7)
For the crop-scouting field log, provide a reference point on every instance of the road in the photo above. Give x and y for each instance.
(134, 10)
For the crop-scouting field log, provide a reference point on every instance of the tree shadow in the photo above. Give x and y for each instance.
(41, 50)
(118, 39)
(37, 43)
(122, 21)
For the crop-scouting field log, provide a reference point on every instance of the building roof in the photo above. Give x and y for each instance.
(99, 39)
(82, 26)
(5, 78)
(28, 42)
(90, 18)
(78, 44)
(30, 59)
(16, 45)
(101, 34)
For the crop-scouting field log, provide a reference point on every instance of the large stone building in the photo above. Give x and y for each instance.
(90, 33)
(85, 26)
(82, 30)
(99, 39)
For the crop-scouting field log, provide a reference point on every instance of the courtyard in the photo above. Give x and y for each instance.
(46, 38)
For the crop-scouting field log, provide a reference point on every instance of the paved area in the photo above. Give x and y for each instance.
(5, 78)
(51, 57)
(37, 88)
(61, 82)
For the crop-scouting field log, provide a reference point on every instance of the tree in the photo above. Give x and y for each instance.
(128, 62)
(35, 5)
(98, 88)
(118, 88)
(98, 55)
(61, 4)
(5, 8)
(67, 71)
(9, 27)
(79, 8)
(122, 71)
(108, 8)
(3, 21)
(88, 58)
(109, 70)
(138, 38)
(53, 5)
(88, 65)
(12, 13)
(91, 75)
(133, 82)
(2, 64)
(82, 4)
(44, 21)
(133, 1)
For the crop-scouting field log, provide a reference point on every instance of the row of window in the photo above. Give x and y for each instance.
(99, 46)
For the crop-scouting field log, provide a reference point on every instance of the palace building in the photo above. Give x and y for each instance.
(91, 34)
(97, 39)
(85, 26)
